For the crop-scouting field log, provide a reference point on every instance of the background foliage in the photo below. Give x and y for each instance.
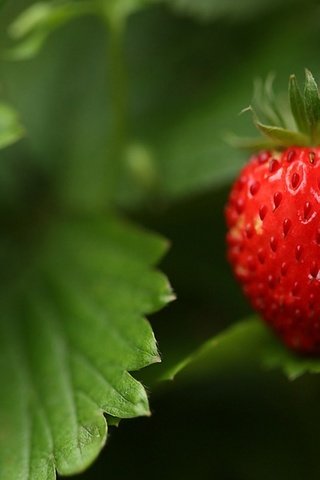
(135, 124)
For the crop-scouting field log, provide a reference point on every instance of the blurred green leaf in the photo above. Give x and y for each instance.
(33, 26)
(276, 356)
(188, 141)
(212, 9)
(249, 343)
(72, 305)
(241, 342)
(11, 129)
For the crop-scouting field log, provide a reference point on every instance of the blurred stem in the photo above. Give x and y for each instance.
(119, 84)
(119, 92)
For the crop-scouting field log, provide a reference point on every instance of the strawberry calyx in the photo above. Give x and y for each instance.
(295, 123)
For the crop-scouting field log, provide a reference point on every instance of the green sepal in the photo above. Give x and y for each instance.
(272, 101)
(283, 137)
(33, 26)
(277, 124)
(253, 144)
(297, 105)
(278, 137)
(312, 102)
(261, 100)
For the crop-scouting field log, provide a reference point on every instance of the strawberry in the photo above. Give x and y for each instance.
(273, 218)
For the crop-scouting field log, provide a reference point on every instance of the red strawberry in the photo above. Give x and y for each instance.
(273, 216)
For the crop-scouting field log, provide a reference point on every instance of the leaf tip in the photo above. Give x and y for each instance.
(170, 296)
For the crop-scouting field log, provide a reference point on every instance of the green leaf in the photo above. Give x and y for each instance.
(297, 105)
(73, 301)
(10, 126)
(33, 26)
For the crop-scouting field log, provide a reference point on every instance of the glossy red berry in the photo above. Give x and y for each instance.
(273, 217)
